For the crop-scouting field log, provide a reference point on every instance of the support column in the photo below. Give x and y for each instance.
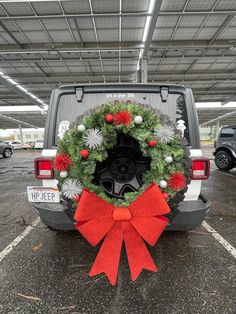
(21, 134)
(141, 74)
(217, 128)
(143, 67)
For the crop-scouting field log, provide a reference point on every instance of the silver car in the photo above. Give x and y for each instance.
(5, 149)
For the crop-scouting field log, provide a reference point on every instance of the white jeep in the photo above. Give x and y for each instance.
(69, 102)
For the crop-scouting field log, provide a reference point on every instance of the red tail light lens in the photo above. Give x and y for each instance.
(200, 168)
(43, 168)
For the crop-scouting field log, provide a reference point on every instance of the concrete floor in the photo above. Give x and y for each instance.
(196, 273)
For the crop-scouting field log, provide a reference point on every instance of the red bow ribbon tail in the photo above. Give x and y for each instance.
(137, 253)
(108, 258)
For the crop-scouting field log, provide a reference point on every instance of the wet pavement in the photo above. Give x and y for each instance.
(196, 273)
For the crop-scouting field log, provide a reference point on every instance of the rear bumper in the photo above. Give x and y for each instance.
(189, 215)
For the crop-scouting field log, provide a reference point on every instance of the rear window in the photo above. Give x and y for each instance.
(69, 108)
(227, 132)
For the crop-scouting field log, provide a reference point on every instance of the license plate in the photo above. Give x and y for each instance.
(39, 194)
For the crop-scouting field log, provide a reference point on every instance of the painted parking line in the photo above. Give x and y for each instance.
(227, 174)
(18, 239)
(220, 239)
(27, 230)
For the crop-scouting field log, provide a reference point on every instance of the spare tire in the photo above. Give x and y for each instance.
(117, 150)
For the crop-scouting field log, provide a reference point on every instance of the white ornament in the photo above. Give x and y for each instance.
(62, 128)
(93, 138)
(163, 184)
(70, 188)
(168, 159)
(81, 128)
(164, 134)
(63, 174)
(138, 120)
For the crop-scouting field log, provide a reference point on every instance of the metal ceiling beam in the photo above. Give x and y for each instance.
(152, 26)
(232, 98)
(10, 34)
(190, 13)
(221, 29)
(220, 58)
(19, 92)
(75, 15)
(18, 121)
(227, 115)
(115, 14)
(111, 46)
(213, 73)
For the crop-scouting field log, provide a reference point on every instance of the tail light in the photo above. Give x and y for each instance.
(200, 168)
(43, 168)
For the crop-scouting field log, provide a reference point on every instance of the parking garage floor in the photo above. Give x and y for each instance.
(47, 272)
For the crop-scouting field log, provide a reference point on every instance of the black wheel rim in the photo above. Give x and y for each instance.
(7, 153)
(123, 169)
(222, 160)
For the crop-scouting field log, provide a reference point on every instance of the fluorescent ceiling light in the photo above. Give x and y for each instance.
(15, 84)
(146, 29)
(11, 81)
(23, 89)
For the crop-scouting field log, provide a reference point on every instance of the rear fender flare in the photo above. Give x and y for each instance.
(227, 148)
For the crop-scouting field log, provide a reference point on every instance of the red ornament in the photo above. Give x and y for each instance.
(84, 153)
(141, 221)
(77, 198)
(177, 181)
(165, 195)
(109, 118)
(152, 143)
(122, 117)
(62, 162)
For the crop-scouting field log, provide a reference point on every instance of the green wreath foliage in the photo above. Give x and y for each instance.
(83, 169)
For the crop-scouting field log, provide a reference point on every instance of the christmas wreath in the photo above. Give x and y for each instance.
(117, 154)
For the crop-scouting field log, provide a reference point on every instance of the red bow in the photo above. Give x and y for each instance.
(97, 219)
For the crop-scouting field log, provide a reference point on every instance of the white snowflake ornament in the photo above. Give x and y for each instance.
(93, 138)
(70, 188)
(164, 134)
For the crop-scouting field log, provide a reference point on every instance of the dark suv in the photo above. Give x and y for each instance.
(225, 148)
(5, 149)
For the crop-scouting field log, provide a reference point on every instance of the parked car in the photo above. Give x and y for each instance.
(69, 102)
(29, 145)
(38, 144)
(16, 145)
(5, 149)
(225, 148)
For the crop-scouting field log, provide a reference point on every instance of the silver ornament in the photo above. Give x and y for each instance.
(163, 184)
(70, 188)
(168, 159)
(81, 128)
(93, 138)
(138, 120)
(164, 134)
(63, 174)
